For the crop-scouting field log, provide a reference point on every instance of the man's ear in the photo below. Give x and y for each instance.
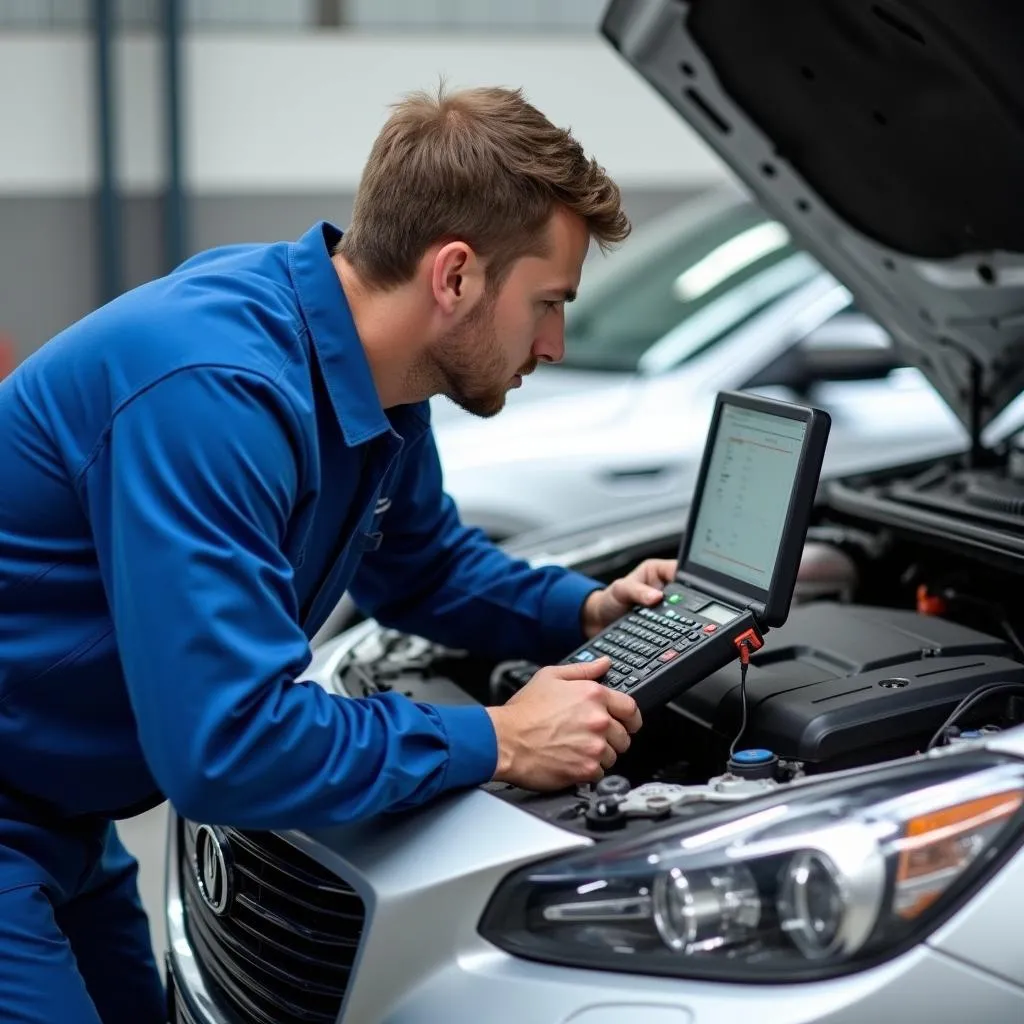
(457, 279)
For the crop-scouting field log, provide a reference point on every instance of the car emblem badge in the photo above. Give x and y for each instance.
(213, 868)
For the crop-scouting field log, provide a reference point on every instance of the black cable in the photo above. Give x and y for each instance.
(968, 702)
(744, 665)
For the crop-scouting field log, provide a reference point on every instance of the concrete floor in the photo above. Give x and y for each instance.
(144, 837)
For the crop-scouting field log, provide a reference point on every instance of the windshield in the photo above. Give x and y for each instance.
(681, 286)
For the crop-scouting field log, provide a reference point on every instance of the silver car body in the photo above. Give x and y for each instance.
(426, 877)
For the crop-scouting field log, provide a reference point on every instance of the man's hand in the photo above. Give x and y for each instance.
(644, 585)
(563, 728)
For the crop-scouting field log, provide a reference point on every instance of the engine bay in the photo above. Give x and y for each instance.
(903, 636)
(971, 506)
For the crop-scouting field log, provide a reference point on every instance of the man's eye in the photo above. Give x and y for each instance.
(551, 305)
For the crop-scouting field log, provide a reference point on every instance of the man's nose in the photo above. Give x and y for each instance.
(549, 346)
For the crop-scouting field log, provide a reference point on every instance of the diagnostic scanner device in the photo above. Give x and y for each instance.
(739, 554)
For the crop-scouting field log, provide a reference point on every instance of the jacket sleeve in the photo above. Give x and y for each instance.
(189, 500)
(438, 578)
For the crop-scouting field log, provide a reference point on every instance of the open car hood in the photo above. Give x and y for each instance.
(889, 137)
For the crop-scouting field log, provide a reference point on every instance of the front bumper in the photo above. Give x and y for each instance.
(425, 879)
(422, 962)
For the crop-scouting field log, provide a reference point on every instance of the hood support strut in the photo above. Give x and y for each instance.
(976, 453)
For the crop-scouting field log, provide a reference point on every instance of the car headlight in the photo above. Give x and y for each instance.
(815, 880)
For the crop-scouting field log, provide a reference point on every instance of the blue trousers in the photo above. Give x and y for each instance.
(74, 938)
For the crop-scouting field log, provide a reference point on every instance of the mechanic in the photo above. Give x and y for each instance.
(194, 474)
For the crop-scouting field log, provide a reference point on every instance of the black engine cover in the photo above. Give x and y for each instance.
(842, 685)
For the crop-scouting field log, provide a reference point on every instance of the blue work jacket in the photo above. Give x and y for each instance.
(191, 476)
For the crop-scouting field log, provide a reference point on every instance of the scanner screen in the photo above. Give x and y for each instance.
(751, 477)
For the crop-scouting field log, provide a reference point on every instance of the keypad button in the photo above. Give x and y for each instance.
(668, 655)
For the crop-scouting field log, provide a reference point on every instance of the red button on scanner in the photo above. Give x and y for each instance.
(668, 655)
(710, 628)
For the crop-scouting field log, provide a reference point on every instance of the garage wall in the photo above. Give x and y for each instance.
(278, 125)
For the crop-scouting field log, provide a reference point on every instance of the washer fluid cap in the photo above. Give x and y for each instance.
(753, 763)
(756, 755)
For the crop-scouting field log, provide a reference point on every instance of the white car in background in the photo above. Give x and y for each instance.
(713, 296)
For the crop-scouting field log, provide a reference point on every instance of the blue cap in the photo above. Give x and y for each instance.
(970, 734)
(755, 755)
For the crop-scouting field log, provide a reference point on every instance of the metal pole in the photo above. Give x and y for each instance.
(175, 202)
(109, 199)
(329, 14)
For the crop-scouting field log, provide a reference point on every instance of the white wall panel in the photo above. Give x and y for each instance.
(298, 112)
(47, 130)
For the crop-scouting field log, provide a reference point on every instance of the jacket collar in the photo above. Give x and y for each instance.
(345, 368)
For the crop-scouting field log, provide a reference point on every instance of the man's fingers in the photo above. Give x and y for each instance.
(623, 707)
(585, 669)
(608, 758)
(632, 590)
(618, 738)
(659, 571)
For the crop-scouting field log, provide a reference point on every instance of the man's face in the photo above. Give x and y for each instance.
(509, 332)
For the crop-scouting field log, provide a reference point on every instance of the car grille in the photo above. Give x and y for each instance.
(282, 949)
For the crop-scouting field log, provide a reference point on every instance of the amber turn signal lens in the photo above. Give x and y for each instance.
(938, 846)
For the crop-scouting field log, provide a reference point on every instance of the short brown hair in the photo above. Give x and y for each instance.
(481, 165)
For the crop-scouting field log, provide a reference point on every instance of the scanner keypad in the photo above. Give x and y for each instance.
(641, 643)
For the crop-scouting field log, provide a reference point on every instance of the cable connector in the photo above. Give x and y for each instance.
(929, 603)
(749, 640)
